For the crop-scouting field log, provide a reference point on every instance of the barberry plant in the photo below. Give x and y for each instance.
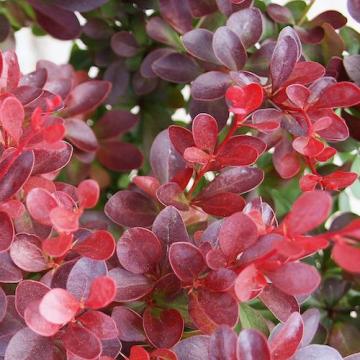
(231, 239)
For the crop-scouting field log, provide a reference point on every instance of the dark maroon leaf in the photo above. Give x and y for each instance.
(47, 161)
(236, 180)
(176, 68)
(14, 171)
(228, 48)
(279, 303)
(201, 8)
(186, 261)
(138, 250)
(3, 304)
(280, 14)
(60, 23)
(163, 328)
(81, 342)
(131, 208)
(160, 31)
(124, 44)
(210, 86)
(146, 66)
(198, 43)
(177, 14)
(86, 96)
(79, 5)
(119, 156)
(81, 135)
(247, 24)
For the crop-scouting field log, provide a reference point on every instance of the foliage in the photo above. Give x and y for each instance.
(232, 237)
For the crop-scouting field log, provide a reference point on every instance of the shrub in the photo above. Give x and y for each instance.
(232, 237)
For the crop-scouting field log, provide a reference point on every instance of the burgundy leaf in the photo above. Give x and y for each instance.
(280, 14)
(14, 171)
(311, 319)
(286, 160)
(3, 304)
(129, 324)
(200, 8)
(163, 328)
(320, 352)
(352, 64)
(279, 303)
(146, 66)
(100, 324)
(347, 257)
(9, 273)
(86, 96)
(81, 342)
(6, 231)
(177, 14)
(172, 194)
(193, 348)
(130, 286)
(81, 135)
(130, 209)
(186, 261)
(12, 117)
(138, 250)
(223, 344)
(124, 44)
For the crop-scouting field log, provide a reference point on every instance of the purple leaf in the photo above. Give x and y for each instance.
(311, 319)
(193, 348)
(177, 68)
(124, 44)
(210, 86)
(228, 48)
(247, 24)
(79, 5)
(119, 77)
(9, 273)
(252, 345)
(318, 352)
(131, 208)
(177, 14)
(352, 67)
(223, 344)
(146, 66)
(81, 135)
(201, 8)
(354, 9)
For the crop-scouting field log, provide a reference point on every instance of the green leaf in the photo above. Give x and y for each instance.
(252, 319)
(297, 8)
(351, 39)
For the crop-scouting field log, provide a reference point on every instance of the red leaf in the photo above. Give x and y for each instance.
(305, 72)
(100, 324)
(285, 342)
(249, 283)
(244, 100)
(181, 138)
(339, 180)
(308, 146)
(252, 345)
(87, 96)
(6, 231)
(237, 233)
(58, 306)
(100, 245)
(194, 155)
(280, 304)
(172, 194)
(309, 211)
(28, 291)
(40, 202)
(81, 342)
(64, 220)
(57, 246)
(163, 328)
(139, 250)
(129, 324)
(12, 116)
(220, 280)
(296, 279)
(37, 323)
(10, 74)
(286, 160)
(186, 261)
(235, 153)
(163, 354)
(148, 184)
(138, 353)
(102, 292)
(347, 256)
(342, 94)
(298, 95)
(205, 132)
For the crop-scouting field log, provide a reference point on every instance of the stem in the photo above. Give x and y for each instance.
(307, 9)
